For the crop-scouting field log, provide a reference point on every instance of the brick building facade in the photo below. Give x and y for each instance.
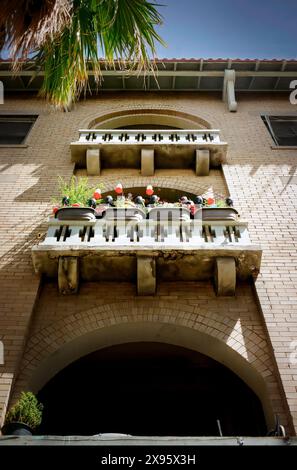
(251, 332)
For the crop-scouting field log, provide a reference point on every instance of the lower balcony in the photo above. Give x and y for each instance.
(167, 244)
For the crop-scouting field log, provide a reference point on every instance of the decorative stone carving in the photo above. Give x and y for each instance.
(93, 162)
(68, 275)
(147, 162)
(146, 275)
(225, 276)
(202, 162)
(229, 90)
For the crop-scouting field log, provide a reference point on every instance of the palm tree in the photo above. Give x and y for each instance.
(65, 39)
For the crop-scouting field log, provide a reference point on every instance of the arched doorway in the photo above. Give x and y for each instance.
(149, 388)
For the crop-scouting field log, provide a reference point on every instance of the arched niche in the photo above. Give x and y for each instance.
(145, 117)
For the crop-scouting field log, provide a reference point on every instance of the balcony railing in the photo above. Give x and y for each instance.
(149, 149)
(167, 137)
(167, 244)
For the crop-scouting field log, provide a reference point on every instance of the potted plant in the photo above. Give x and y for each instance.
(213, 210)
(24, 417)
(76, 200)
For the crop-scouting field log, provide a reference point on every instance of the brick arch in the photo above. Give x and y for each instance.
(53, 347)
(160, 114)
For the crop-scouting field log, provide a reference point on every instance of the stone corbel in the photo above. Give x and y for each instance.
(93, 163)
(147, 162)
(229, 90)
(146, 275)
(68, 274)
(225, 276)
(202, 162)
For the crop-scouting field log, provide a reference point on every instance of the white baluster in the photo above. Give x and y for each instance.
(166, 138)
(216, 137)
(244, 236)
(84, 136)
(149, 137)
(98, 138)
(50, 238)
(147, 227)
(116, 137)
(220, 237)
(74, 238)
(172, 237)
(98, 238)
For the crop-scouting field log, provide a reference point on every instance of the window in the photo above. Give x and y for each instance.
(283, 129)
(14, 129)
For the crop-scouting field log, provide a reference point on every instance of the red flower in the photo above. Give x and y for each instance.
(210, 201)
(149, 190)
(119, 188)
(97, 194)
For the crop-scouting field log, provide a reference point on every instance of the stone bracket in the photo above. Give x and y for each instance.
(229, 90)
(68, 274)
(225, 276)
(147, 162)
(146, 275)
(93, 163)
(202, 162)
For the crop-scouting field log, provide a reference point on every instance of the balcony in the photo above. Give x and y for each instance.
(161, 244)
(148, 149)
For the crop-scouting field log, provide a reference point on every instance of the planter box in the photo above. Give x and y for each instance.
(16, 429)
(76, 213)
(219, 213)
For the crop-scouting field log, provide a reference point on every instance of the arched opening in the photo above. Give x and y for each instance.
(147, 118)
(149, 388)
(165, 194)
(148, 126)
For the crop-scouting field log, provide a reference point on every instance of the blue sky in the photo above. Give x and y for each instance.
(262, 29)
(229, 28)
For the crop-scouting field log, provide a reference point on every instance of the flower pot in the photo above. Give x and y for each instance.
(16, 428)
(219, 213)
(76, 213)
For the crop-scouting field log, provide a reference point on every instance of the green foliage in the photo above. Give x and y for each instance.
(118, 30)
(27, 410)
(70, 37)
(221, 203)
(77, 190)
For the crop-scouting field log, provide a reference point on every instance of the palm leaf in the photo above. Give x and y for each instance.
(30, 23)
(119, 30)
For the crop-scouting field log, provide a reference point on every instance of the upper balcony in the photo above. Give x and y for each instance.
(148, 149)
(146, 245)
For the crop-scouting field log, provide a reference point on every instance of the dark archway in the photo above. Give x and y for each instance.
(165, 194)
(147, 126)
(149, 389)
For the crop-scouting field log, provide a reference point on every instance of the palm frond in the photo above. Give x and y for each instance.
(30, 23)
(120, 30)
